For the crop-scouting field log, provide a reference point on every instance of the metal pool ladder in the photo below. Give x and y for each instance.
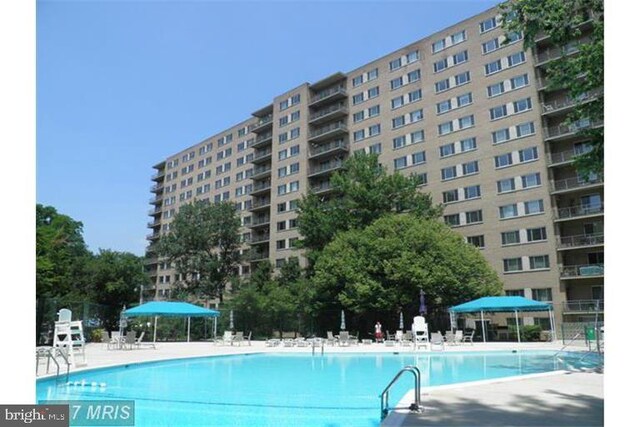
(416, 406)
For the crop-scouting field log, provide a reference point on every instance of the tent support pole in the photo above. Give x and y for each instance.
(484, 333)
(517, 325)
(188, 329)
(155, 327)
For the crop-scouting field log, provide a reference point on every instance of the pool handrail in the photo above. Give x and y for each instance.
(416, 406)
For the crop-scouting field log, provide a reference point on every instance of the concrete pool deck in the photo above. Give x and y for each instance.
(550, 399)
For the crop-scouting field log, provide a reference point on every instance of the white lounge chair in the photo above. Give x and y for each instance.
(301, 342)
(468, 337)
(140, 344)
(273, 342)
(458, 337)
(331, 339)
(343, 338)
(407, 339)
(129, 340)
(390, 341)
(288, 342)
(437, 340)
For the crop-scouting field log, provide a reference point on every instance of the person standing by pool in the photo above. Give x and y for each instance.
(378, 333)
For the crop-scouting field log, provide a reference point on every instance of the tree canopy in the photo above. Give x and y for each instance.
(203, 246)
(581, 73)
(365, 192)
(383, 267)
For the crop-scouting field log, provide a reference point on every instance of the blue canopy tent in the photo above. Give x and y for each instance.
(170, 309)
(504, 305)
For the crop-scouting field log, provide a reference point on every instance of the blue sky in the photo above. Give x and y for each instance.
(121, 85)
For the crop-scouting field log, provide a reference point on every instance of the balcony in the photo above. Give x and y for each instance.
(151, 261)
(335, 147)
(263, 155)
(588, 20)
(574, 212)
(581, 271)
(260, 188)
(328, 114)
(328, 95)
(260, 221)
(258, 256)
(562, 158)
(326, 168)
(559, 106)
(156, 200)
(263, 140)
(575, 183)
(583, 306)
(563, 131)
(327, 132)
(259, 238)
(152, 224)
(322, 188)
(153, 236)
(156, 187)
(554, 53)
(158, 175)
(581, 241)
(262, 123)
(154, 211)
(261, 172)
(260, 205)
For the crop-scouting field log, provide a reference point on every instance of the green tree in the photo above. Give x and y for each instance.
(375, 271)
(203, 246)
(115, 278)
(61, 255)
(581, 73)
(365, 193)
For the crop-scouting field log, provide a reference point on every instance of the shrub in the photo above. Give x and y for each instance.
(96, 335)
(531, 332)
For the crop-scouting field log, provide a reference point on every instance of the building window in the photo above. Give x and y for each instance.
(503, 160)
(444, 106)
(525, 129)
(472, 192)
(539, 262)
(519, 81)
(452, 220)
(487, 25)
(474, 216)
(462, 78)
(447, 150)
(466, 122)
(508, 211)
(512, 264)
(477, 241)
(442, 85)
(492, 67)
(528, 154)
(533, 207)
(514, 293)
(397, 102)
(516, 59)
(449, 196)
(522, 105)
(448, 173)
(536, 234)
(495, 90)
(498, 112)
(413, 76)
(490, 46)
(400, 163)
(445, 128)
(467, 144)
(470, 168)
(510, 237)
(500, 136)
(421, 178)
(531, 180)
(506, 185)
(281, 244)
(418, 158)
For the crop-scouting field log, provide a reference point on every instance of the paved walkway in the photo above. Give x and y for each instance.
(566, 399)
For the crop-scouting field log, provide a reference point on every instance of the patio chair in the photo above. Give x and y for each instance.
(247, 338)
(457, 338)
(106, 340)
(437, 340)
(273, 342)
(468, 337)
(301, 342)
(354, 339)
(129, 340)
(331, 339)
(390, 341)
(288, 342)
(227, 338)
(343, 338)
(140, 344)
(407, 339)
(450, 338)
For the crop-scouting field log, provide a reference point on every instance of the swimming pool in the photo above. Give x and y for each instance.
(287, 389)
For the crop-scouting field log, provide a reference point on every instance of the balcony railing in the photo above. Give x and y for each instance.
(264, 121)
(563, 130)
(259, 238)
(563, 157)
(586, 270)
(261, 172)
(338, 144)
(157, 187)
(327, 112)
(258, 256)
(261, 220)
(152, 224)
(157, 175)
(320, 188)
(328, 93)
(260, 155)
(153, 236)
(579, 211)
(328, 130)
(261, 186)
(261, 139)
(556, 52)
(156, 200)
(566, 102)
(327, 167)
(573, 183)
(583, 305)
(581, 240)
(155, 211)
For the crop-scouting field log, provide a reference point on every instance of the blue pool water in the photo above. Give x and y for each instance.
(287, 389)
